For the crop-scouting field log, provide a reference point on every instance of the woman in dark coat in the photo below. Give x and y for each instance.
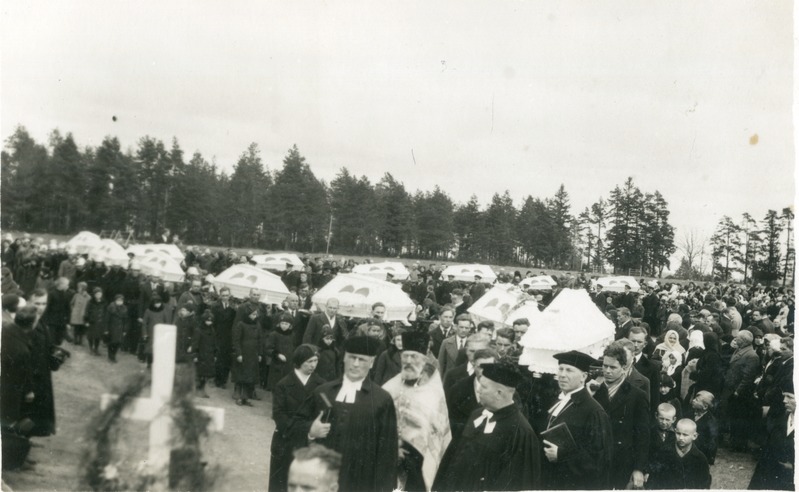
(204, 349)
(116, 325)
(709, 375)
(156, 314)
(278, 349)
(330, 363)
(388, 364)
(288, 394)
(95, 320)
(186, 323)
(247, 352)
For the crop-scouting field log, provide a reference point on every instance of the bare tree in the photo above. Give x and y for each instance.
(692, 246)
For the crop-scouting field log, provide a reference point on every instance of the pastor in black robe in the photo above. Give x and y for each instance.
(587, 467)
(364, 432)
(506, 458)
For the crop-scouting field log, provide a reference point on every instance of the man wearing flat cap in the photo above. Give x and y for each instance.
(357, 418)
(421, 413)
(498, 450)
(586, 465)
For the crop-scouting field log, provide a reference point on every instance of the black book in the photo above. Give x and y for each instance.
(561, 436)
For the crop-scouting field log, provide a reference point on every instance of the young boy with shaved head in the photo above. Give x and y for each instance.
(682, 466)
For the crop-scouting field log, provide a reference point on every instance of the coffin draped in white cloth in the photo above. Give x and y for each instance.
(241, 278)
(617, 284)
(277, 261)
(357, 293)
(539, 282)
(83, 242)
(146, 249)
(379, 270)
(111, 253)
(497, 303)
(466, 273)
(571, 322)
(163, 265)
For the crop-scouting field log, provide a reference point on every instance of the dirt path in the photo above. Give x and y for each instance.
(241, 450)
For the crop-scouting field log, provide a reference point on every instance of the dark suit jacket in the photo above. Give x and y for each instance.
(437, 336)
(650, 369)
(454, 375)
(461, 402)
(629, 419)
(587, 467)
(147, 294)
(641, 382)
(223, 326)
(448, 354)
(313, 332)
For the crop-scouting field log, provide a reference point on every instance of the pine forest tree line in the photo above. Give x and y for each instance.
(61, 188)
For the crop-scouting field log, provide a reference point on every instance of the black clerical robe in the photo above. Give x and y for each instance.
(364, 432)
(501, 453)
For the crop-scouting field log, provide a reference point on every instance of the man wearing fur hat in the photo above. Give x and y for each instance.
(421, 413)
(357, 418)
(586, 465)
(498, 449)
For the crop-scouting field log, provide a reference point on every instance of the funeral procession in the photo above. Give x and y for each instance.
(423, 246)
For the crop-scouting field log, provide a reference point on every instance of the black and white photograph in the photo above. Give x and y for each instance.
(397, 246)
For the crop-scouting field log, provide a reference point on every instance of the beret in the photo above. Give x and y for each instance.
(502, 372)
(362, 345)
(577, 359)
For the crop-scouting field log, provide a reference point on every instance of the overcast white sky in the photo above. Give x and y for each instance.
(486, 95)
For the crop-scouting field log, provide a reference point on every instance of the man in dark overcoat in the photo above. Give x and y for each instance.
(586, 465)
(360, 421)
(42, 409)
(223, 314)
(628, 411)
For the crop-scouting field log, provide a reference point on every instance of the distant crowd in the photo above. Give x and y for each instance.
(694, 368)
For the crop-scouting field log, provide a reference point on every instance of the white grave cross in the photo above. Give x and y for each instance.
(156, 408)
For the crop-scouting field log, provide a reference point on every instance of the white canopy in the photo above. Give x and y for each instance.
(146, 249)
(527, 310)
(357, 293)
(466, 273)
(241, 278)
(277, 261)
(617, 284)
(111, 253)
(163, 265)
(539, 282)
(84, 242)
(379, 270)
(497, 303)
(571, 322)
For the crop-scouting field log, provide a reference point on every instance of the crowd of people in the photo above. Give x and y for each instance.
(437, 401)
